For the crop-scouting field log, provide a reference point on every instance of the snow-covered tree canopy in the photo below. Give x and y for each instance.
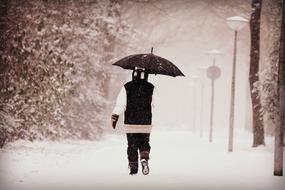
(55, 66)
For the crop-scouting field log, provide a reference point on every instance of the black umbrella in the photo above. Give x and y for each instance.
(152, 63)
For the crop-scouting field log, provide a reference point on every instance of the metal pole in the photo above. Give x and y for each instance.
(202, 105)
(232, 106)
(212, 107)
(195, 106)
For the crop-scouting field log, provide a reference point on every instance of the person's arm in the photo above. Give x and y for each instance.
(119, 107)
(154, 105)
(154, 98)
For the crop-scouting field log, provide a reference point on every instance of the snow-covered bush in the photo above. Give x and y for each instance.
(56, 67)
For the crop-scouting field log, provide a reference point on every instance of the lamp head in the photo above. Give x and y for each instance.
(237, 22)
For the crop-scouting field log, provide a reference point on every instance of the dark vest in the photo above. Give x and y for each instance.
(139, 97)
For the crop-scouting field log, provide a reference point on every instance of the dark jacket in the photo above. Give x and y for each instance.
(139, 98)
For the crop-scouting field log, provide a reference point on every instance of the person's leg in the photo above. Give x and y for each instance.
(132, 152)
(144, 149)
(144, 146)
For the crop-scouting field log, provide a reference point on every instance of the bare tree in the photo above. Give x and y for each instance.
(258, 127)
(279, 130)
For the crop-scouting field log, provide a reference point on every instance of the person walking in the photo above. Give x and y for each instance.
(136, 101)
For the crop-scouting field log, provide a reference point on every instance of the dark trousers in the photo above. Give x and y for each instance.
(138, 142)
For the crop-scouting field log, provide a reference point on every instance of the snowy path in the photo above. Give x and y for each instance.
(179, 160)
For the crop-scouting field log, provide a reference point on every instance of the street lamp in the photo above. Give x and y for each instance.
(236, 23)
(202, 70)
(213, 72)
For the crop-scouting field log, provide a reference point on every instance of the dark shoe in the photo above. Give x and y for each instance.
(133, 167)
(145, 168)
(133, 171)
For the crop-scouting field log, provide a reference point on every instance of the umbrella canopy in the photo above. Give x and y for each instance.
(153, 64)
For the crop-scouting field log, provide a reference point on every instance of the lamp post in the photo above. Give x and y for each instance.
(202, 77)
(213, 72)
(236, 23)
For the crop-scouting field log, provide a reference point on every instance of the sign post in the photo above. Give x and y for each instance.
(213, 72)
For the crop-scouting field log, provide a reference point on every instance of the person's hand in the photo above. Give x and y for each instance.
(115, 118)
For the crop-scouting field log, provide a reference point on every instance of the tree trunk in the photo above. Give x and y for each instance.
(279, 131)
(3, 65)
(282, 72)
(258, 127)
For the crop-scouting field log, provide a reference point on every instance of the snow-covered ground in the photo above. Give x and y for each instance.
(179, 160)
